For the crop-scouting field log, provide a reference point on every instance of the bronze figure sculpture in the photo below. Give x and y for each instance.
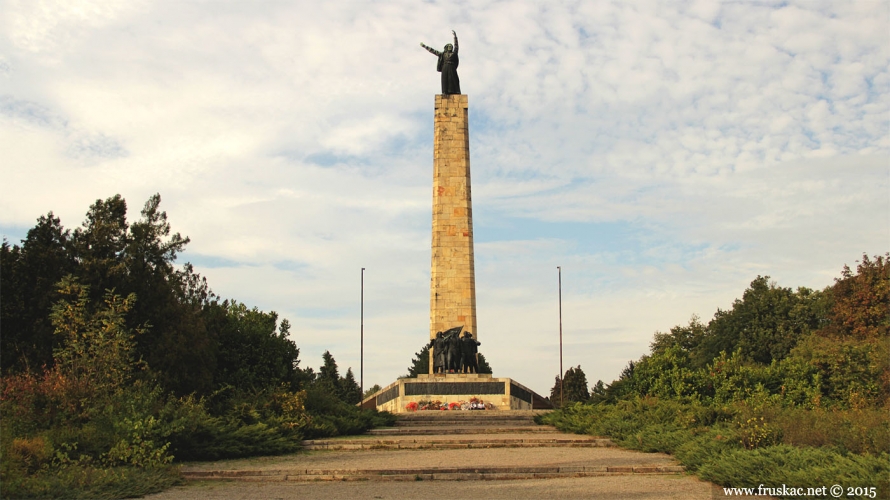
(469, 349)
(447, 65)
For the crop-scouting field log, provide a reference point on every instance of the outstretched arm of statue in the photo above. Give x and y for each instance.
(432, 50)
(455, 41)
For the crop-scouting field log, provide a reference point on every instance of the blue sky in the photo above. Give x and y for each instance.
(663, 154)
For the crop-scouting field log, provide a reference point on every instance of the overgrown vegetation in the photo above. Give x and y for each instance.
(787, 387)
(116, 365)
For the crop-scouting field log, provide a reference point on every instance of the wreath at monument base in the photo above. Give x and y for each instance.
(473, 403)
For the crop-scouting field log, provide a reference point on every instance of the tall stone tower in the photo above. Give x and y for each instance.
(453, 280)
(452, 276)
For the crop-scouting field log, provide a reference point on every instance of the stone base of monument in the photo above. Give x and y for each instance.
(495, 393)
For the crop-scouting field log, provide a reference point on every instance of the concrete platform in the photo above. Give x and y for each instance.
(501, 394)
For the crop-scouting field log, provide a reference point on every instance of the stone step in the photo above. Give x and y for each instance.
(428, 473)
(441, 421)
(484, 441)
(471, 414)
(463, 429)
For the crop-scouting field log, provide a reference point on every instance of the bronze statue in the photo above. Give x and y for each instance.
(469, 349)
(447, 351)
(453, 355)
(439, 348)
(448, 62)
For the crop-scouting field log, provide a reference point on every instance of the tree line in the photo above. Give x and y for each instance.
(193, 341)
(114, 362)
(787, 386)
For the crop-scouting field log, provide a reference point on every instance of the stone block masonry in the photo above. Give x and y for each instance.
(452, 274)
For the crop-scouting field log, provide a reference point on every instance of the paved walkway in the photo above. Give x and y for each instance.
(401, 470)
(615, 487)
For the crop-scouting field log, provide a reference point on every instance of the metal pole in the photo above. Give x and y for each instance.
(362, 357)
(559, 269)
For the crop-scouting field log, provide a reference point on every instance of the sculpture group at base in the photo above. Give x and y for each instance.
(453, 353)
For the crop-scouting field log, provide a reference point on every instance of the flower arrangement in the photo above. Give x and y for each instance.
(473, 404)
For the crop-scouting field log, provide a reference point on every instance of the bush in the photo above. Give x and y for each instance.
(89, 482)
(247, 424)
(798, 466)
(746, 443)
(329, 416)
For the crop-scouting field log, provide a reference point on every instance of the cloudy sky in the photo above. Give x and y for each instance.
(663, 155)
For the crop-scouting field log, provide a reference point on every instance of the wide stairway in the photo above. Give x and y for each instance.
(446, 445)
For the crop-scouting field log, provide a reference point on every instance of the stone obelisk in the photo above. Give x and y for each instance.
(452, 275)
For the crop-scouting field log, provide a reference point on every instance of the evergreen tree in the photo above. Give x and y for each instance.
(350, 391)
(28, 291)
(598, 392)
(251, 352)
(557, 393)
(328, 372)
(574, 388)
(484, 367)
(327, 380)
(420, 365)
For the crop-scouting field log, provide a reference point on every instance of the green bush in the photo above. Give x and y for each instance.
(329, 416)
(89, 482)
(746, 443)
(249, 424)
(798, 466)
(270, 422)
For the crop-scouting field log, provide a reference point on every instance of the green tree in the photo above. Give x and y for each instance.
(687, 338)
(28, 291)
(99, 246)
(328, 379)
(420, 365)
(178, 345)
(328, 373)
(572, 389)
(765, 324)
(483, 365)
(374, 388)
(253, 352)
(598, 392)
(350, 391)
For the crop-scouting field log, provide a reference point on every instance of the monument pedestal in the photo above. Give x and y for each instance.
(500, 393)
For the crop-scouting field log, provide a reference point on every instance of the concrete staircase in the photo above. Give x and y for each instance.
(444, 430)
(426, 473)
(460, 429)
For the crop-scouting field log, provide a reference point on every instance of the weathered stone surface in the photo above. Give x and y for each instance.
(452, 273)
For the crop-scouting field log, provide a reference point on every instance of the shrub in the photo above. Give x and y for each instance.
(798, 466)
(86, 481)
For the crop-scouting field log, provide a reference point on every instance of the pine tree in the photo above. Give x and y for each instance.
(484, 367)
(328, 373)
(420, 365)
(350, 392)
(574, 385)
